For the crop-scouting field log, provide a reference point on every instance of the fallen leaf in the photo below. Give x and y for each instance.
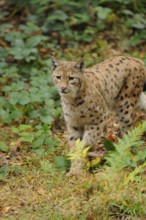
(6, 209)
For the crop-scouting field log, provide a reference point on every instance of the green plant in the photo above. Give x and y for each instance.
(124, 172)
(128, 151)
(3, 172)
(39, 139)
(3, 147)
(23, 54)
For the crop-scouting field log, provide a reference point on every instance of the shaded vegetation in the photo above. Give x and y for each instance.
(33, 149)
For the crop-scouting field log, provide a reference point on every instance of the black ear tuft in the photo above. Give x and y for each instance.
(55, 62)
(80, 65)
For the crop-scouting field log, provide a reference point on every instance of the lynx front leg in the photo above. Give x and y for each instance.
(74, 134)
(93, 135)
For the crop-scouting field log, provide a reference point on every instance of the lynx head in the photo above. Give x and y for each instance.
(68, 77)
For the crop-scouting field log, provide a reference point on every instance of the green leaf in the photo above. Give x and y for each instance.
(12, 36)
(40, 151)
(15, 130)
(34, 41)
(3, 101)
(39, 133)
(47, 119)
(19, 43)
(139, 25)
(24, 127)
(15, 114)
(51, 142)
(3, 114)
(14, 98)
(38, 142)
(61, 162)
(103, 12)
(34, 97)
(23, 98)
(28, 139)
(14, 87)
(3, 176)
(108, 144)
(57, 15)
(3, 147)
(3, 172)
(81, 18)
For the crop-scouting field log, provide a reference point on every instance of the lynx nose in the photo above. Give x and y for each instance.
(63, 89)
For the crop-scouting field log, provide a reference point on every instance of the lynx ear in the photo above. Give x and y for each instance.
(80, 64)
(55, 62)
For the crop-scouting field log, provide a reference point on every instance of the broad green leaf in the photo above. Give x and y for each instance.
(14, 96)
(3, 176)
(15, 130)
(39, 133)
(103, 12)
(24, 127)
(51, 141)
(47, 119)
(139, 25)
(38, 142)
(35, 97)
(6, 88)
(3, 147)
(108, 144)
(15, 114)
(3, 114)
(34, 40)
(60, 162)
(12, 36)
(19, 43)
(57, 15)
(28, 139)
(23, 100)
(40, 151)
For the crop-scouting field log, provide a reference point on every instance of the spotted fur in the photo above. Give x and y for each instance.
(89, 95)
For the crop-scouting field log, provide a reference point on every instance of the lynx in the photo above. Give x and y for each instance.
(88, 95)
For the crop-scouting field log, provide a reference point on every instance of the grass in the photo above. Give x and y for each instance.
(35, 189)
(35, 194)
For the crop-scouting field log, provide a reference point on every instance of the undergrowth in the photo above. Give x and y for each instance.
(33, 149)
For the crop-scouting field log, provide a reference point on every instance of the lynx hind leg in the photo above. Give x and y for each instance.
(127, 103)
(125, 115)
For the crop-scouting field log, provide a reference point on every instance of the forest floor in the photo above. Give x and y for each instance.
(33, 143)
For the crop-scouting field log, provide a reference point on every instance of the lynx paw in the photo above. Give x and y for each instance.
(76, 168)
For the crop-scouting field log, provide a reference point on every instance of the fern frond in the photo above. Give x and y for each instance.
(131, 138)
(132, 175)
(122, 155)
(79, 152)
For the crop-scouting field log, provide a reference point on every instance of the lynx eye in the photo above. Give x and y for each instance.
(58, 77)
(71, 78)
